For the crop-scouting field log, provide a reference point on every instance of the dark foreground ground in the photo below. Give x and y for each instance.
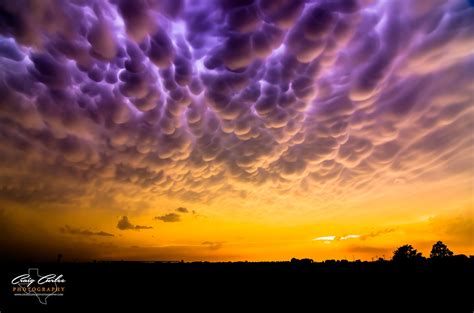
(249, 287)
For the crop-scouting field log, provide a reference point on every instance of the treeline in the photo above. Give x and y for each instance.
(404, 254)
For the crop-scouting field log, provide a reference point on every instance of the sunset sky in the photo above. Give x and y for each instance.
(235, 130)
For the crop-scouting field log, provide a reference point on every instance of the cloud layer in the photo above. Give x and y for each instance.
(168, 218)
(125, 224)
(83, 232)
(198, 98)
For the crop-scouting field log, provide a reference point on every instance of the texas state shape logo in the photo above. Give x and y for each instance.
(40, 286)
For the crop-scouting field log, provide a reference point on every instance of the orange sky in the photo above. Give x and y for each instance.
(259, 227)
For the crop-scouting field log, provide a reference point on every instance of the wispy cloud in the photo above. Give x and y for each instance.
(213, 245)
(378, 233)
(125, 224)
(349, 237)
(328, 239)
(336, 238)
(325, 238)
(374, 251)
(83, 232)
(169, 218)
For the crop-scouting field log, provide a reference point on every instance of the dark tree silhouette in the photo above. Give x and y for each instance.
(406, 253)
(302, 261)
(440, 250)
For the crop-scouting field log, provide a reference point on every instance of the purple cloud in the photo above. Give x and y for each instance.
(173, 96)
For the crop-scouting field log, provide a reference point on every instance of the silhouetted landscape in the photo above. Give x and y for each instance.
(441, 282)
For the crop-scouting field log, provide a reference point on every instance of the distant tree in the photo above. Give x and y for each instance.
(406, 253)
(440, 250)
(302, 261)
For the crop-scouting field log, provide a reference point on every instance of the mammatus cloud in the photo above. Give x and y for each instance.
(125, 224)
(213, 245)
(199, 98)
(82, 232)
(170, 217)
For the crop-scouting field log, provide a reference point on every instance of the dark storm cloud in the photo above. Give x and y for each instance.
(169, 218)
(125, 224)
(83, 232)
(182, 210)
(199, 98)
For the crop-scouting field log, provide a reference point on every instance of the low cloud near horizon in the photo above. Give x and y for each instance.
(125, 224)
(83, 232)
(213, 245)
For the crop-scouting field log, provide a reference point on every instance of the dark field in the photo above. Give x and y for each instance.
(331, 286)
